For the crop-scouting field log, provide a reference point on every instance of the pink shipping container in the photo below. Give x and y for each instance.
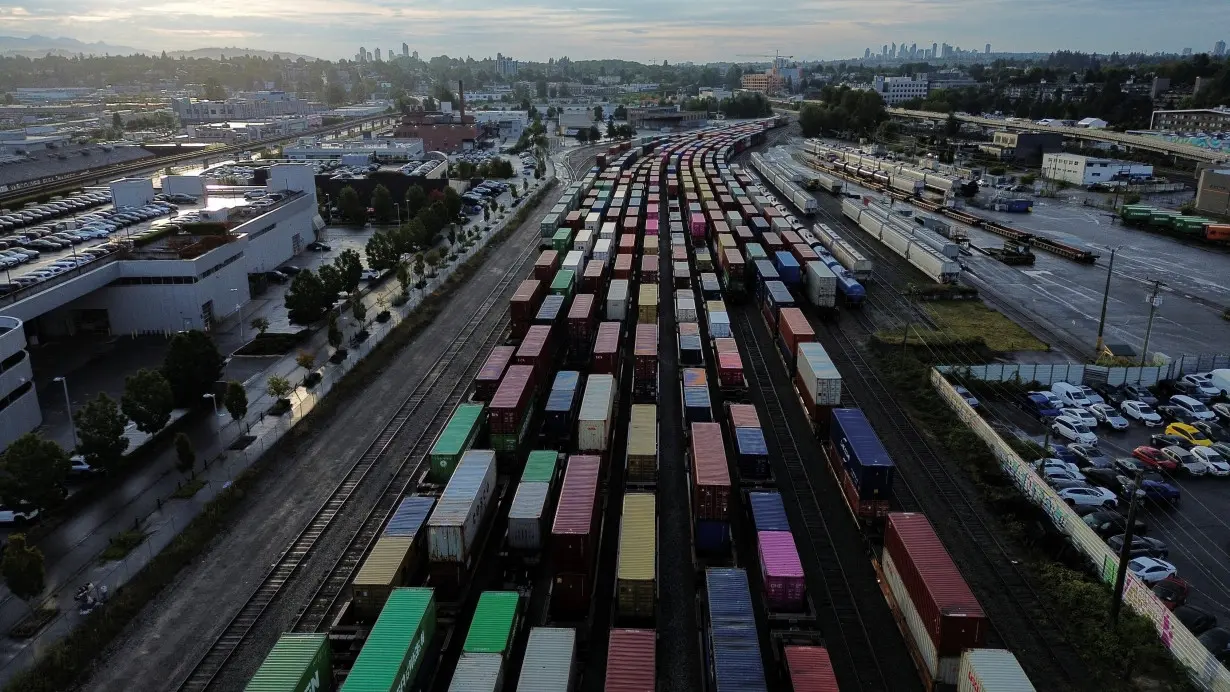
(535, 348)
(698, 226)
(623, 266)
(782, 572)
(791, 238)
(631, 661)
(772, 242)
(730, 370)
(606, 348)
(594, 278)
(743, 416)
(679, 254)
(581, 318)
(510, 403)
(630, 225)
(653, 209)
(710, 474)
(810, 669)
(574, 541)
(651, 227)
(627, 244)
(646, 352)
(489, 376)
(649, 269)
(792, 330)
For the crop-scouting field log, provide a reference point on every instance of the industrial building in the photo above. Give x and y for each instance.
(664, 118)
(19, 409)
(897, 90)
(381, 150)
(572, 119)
(503, 124)
(1022, 147)
(440, 130)
(1087, 170)
(762, 82)
(1213, 192)
(254, 106)
(1208, 120)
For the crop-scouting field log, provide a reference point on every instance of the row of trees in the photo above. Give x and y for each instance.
(313, 293)
(495, 167)
(843, 110)
(743, 105)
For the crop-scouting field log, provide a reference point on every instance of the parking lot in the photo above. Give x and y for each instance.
(1197, 531)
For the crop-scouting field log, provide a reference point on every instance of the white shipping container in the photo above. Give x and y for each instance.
(820, 377)
(719, 325)
(734, 218)
(991, 670)
(939, 669)
(821, 284)
(602, 250)
(681, 270)
(592, 221)
(526, 516)
(596, 420)
(685, 308)
(780, 224)
(478, 673)
(458, 517)
(584, 241)
(574, 260)
(548, 662)
(617, 300)
(677, 240)
(607, 231)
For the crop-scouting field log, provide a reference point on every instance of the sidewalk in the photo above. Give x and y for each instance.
(71, 549)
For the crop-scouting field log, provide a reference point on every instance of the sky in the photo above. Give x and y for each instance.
(642, 30)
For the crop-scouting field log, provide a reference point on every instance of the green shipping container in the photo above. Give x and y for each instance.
(563, 282)
(454, 440)
(562, 242)
(297, 663)
(495, 618)
(540, 466)
(394, 650)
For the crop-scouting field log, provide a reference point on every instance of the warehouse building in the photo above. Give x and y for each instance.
(1022, 147)
(1213, 192)
(1087, 170)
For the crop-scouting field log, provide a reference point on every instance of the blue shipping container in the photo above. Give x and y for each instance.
(787, 268)
(862, 453)
(776, 297)
(752, 451)
(551, 311)
(696, 405)
(559, 414)
(734, 648)
(768, 511)
(569, 380)
(690, 352)
(410, 516)
(712, 536)
(758, 224)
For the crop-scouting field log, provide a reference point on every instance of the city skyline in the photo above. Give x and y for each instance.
(636, 30)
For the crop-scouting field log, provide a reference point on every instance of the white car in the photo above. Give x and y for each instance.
(1049, 463)
(1073, 431)
(17, 516)
(1218, 466)
(1092, 396)
(1203, 382)
(1186, 460)
(1140, 411)
(1089, 497)
(1192, 406)
(1151, 570)
(1053, 475)
(1105, 413)
(1079, 415)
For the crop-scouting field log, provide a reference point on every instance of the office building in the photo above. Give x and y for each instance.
(934, 48)
(896, 90)
(505, 66)
(988, 50)
(362, 54)
(1023, 147)
(1087, 170)
(1219, 49)
(1213, 191)
(866, 53)
(254, 105)
(377, 55)
(19, 409)
(405, 50)
(1208, 120)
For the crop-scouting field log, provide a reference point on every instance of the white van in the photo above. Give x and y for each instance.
(1192, 406)
(1220, 379)
(1071, 394)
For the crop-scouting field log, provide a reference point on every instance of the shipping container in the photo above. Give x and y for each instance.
(752, 453)
(631, 661)
(594, 278)
(818, 379)
(509, 410)
(385, 568)
(645, 356)
(536, 349)
(574, 538)
(781, 572)
(623, 267)
(682, 274)
(820, 284)
(489, 376)
(528, 516)
(582, 326)
(605, 358)
(711, 476)
(596, 421)
(478, 673)
(603, 251)
(461, 512)
(768, 511)
(793, 329)
(551, 313)
(991, 670)
(697, 406)
(541, 466)
(636, 572)
(396, 645)
(584, 243)
(574, 261)
(524, 304)
(549, 662)
(811, 670)
(685, 307)
(561, 410)
(742, 415)
(617, 300)
(736, 664)
(862, 454)
(456, 437)
(494, 624)
(297, 663)
(691, 351)
(776, 297)
(564, 283)
(647, 304)
(649, 268)
(642, 467)
(410, 516)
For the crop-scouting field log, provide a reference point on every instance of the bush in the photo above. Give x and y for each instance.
(399, 300)
(384, 316)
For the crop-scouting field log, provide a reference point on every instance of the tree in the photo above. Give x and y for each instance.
(308, 299)
(260, 324)
(116, 121)
(382, 251)
(277, 387)
(597, 112)
(335, 333)
(236, 400)
(403, 276)
(621, 112)
(433, 259)
(100, 432)
(358, 309)
(23, 568)
(350, 206)
(214, 90)
(734, 77)
(147, 400)
(192, 366)
(582, 135)
(331, 277)
(185, 455)
(382, 205)
(350, 269)
(541, 88)
(952, 126)
(452, 202)
(305, 360)
(32, 472)
(416, 199)
(594, 134)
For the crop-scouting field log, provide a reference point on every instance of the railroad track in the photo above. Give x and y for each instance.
(232, 636)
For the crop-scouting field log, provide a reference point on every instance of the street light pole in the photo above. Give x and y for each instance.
(1154, 301)
(68, 406)
(213, 399)
(1125, 553)
(239, 311)
(1097, 349)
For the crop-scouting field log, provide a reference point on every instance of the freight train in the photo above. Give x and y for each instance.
(1174, 223)
(902, 238)
(891, 174)
(785, 185)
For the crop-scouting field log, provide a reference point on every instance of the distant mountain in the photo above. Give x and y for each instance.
(38, 46)
(217, 53)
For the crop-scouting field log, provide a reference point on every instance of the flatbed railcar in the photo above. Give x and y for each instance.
(935, 266)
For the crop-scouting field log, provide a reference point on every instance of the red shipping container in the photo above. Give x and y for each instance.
(630, 224)
(581, 320)
(771, 212)
(725, 345)
(546, 265)
(536, 348)
(575, 219)
(627, 244)
(749, 211)
(679, 254)
(791, 238)
(728, 203)
(511, 401)
(623, 266)
(710, 474)
(820, 415)
(574, 541)
(804, 254)
(794, 329)
(594, 278)
(645, 352)
(489, 376)
(772, 242)
(950, 613)
(524, 303)
(868, 509)
(649, 269)
(732, 261)
(730, 370)
(631, 661)
(743, 416)
(810, 669)
(606, 349)
(743, 235)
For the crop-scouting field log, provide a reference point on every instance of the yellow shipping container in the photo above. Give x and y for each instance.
(647, 304)
(638, 549)
(651, 245)
(726, 241)
(643, 444)
(715, 305)
(384, 569)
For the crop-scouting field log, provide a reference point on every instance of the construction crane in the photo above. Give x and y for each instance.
(777, 58)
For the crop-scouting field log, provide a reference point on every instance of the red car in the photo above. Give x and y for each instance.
(1154, 458)
(1172, 592)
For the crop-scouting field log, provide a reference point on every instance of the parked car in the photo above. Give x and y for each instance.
(1197, 620)
(1215, 431)
(1196, 387)
(1056, 401)
(1218, 465)
(1140, 411)
(1114, 481)
(1189, 434)
(1176, 414)
(1089, 496)
(277, 277)
(1153, 458)
(1217, 641)
(1108, 522)
(1142, 546)
(1172, 592)
(965, 394)
(1039, 406)
(1072, 430)
(1053, 475)
(1108, 416)
(1079, 415)
(1187, 461)
(1164, 440)
(1135, 392)
(317, 246)
(19, 515)
(1157, 488)
(1222, 411)
(1151, 570)
(1043, 465)
(290, 269)
(1192, 406)
(1089, 456)
(1059, 451)
(1222, 448)
(1091, 394)
(1070, 394)
(369, 275)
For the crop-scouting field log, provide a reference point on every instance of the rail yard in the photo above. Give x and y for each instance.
(651, 451)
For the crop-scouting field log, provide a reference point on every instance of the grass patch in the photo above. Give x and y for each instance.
(34, 622)
(964, 322)
(121, 544)
(188, 489)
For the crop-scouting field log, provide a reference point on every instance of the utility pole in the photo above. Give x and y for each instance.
(1097, 349)
(1125, 553)
(1155, 299)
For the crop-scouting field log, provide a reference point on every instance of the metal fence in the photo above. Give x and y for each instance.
(1050, 373)
(1205, 670)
